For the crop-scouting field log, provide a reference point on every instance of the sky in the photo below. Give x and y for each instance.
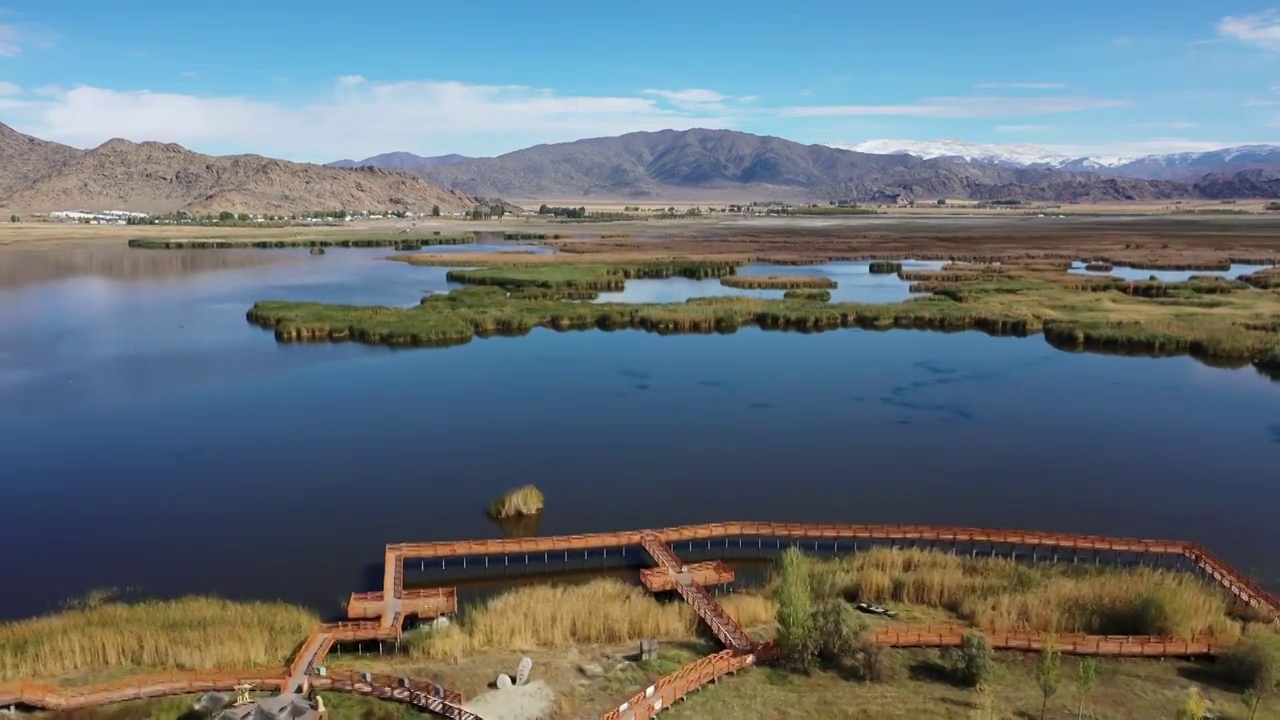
(328, 80)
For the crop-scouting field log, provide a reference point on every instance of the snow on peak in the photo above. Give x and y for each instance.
(998, 154)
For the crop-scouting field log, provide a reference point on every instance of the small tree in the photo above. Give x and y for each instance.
(796, 637)
(14, 219)
(1194, 707)
(1254, 664)
(435, 211)
(1048, 673)
(971, 662)
(226, 216)
(1086, 681)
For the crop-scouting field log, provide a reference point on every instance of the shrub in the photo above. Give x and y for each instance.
(971, 663)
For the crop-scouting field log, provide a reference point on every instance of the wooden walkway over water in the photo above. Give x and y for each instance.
(380, 615)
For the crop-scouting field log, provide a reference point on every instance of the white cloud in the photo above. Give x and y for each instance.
(1253, 103)
(1023, 128)
(1020, 86)
(11, 40)
(8, 88)
(350, 80)
(1166, 125)
(690, 95)
(962, 107)
(359, 119)
(189, 73)
(748, 98)
(1260, 29)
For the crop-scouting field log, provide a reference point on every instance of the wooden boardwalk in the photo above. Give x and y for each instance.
(380, 615)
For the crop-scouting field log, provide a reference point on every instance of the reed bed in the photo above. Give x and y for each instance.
(550, 616)
(398, 241)
(777, 282)
(1099, 267)
(520, 502)
(1217, 320)
(1002, 595)
(884, 267)
(194, 633)
(809, 295)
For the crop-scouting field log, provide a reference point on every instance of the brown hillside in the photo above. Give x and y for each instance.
(164, 177)
(25, 159)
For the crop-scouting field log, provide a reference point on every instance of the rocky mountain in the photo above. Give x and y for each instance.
(693, 164)
(1172, 166)
(25, 159)
(163, 177)
(401, 161)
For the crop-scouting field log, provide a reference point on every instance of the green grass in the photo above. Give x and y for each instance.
(808, 295)
(582, 276)
(1221, 321)
(884, 268)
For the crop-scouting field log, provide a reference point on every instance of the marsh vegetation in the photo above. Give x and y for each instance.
(1225, 321)
(195, 633)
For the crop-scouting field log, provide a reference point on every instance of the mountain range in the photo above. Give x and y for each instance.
(40, 176)
(721, 164)
(679, 166)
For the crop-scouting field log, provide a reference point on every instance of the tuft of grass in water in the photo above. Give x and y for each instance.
(522, 501)
(1002, 595)
(777, 282)
(882, 267)
(809, 295)
(193, 633)
(556, 616)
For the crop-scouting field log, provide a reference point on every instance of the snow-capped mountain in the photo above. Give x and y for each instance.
(1169, 166)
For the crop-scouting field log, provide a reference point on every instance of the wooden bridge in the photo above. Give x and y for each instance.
(380, 615)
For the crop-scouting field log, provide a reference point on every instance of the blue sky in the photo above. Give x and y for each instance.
(339, 79)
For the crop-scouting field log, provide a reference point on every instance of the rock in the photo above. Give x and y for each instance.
(621, 666)
(592, 671)
(504, 681)
(522, 672)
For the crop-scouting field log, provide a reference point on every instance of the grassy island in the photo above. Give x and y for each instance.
(809, 295)
(1226, 322)
(881, 267)
(777, 282)
(522, 501)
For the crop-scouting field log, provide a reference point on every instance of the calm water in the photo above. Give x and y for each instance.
(150, 438)
(854, 281)
(1128, 273)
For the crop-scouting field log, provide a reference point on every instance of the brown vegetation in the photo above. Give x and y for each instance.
(778, 282)
(189, 634)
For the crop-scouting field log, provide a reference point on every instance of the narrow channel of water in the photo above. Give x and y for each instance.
(1128, 273)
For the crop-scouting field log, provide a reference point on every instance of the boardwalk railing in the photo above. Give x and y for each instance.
(1234, 581)
(393, 603)
(54, 697)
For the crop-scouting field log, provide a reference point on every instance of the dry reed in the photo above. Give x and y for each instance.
(598, 612)
(195, 633)
(1000, 594)
(526, 500)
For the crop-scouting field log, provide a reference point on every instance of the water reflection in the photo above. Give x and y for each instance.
(1128, 273)
(855, 283)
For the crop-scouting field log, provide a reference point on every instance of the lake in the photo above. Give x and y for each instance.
(150, 438)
